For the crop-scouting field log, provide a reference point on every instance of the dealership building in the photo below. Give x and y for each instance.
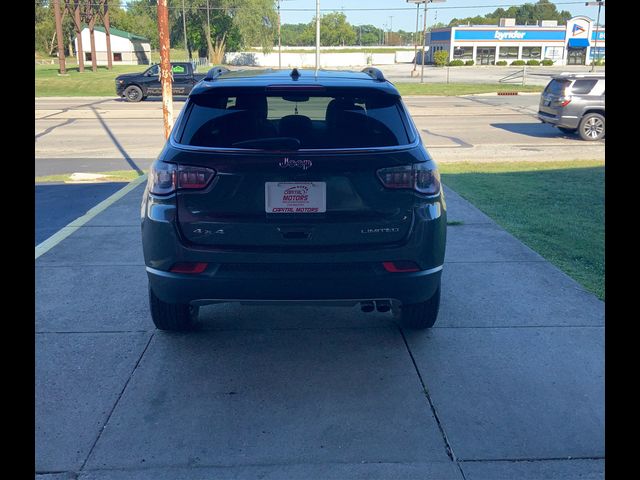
(572, 44)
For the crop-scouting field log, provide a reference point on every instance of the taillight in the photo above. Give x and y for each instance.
(421, 177)
(186, 267)
(401, 266)
(564, 101)
(166, 178)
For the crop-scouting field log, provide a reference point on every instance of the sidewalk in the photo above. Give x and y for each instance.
(510, 383)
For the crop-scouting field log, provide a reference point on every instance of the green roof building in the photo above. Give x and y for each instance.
(126, 48)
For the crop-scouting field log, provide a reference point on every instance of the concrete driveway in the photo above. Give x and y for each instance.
(509, 385)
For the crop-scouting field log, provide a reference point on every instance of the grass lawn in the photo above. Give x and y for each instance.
(76, 84)
(113, 176)
(102, 83)
(556, 208)
(461, 88)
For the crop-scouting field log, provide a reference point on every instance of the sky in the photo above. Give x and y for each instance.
(404, 14)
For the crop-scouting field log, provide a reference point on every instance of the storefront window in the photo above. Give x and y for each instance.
(463, 53)
(531, 52)
(509, 53)
(597, 53)
(554, 53)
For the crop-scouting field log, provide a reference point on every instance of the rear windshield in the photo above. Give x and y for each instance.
(557, 87)
(241, 120)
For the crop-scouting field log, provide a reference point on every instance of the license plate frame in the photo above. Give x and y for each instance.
(295, 197)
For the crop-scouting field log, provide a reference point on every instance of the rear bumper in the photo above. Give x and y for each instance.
(287, 273)
(218, 284)
(558, 121)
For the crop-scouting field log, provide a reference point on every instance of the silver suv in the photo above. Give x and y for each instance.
(575, 102)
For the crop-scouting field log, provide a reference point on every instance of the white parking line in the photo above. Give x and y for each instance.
(64, 232)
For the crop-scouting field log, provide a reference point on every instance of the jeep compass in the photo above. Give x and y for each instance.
(294, 187)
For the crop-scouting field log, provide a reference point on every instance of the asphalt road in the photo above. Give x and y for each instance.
(97, 134)
(105, 134)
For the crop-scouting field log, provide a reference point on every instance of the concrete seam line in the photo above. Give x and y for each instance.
(67, 230)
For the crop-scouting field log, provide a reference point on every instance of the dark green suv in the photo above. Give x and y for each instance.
(294, 187)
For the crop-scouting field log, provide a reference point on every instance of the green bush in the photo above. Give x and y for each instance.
(501, 62)
(533, 62)
(456, 63)
(598, 63)
(518, 62)
(469, 62)
(547, 62)
(440, 58)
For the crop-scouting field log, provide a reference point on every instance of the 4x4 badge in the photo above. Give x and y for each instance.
(303, 164)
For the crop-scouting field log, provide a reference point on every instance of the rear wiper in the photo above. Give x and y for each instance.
(271, 143)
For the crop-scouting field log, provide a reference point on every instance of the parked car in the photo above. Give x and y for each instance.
(575, 102)
(135, 87)
(294, 187)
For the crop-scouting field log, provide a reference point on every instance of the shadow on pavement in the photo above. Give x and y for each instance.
(537, 130)
(59, 204)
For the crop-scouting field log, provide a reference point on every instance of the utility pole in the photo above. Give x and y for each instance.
(61, 60)
(209, 44)
(424, 34)
(165, 67)
(279, 40)
(600, 4)
(415, 54)
(184, 30)
(390, 36)
(317, 35)
(424, 40)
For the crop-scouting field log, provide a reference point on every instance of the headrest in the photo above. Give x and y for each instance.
(256, 103)
(294, 125)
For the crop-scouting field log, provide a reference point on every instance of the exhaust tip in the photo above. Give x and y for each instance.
(383, 306)
(367, 307)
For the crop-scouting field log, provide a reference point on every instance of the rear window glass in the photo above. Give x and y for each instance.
(557, 87)
(315, 121)
(582, 87)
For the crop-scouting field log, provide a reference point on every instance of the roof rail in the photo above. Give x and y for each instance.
(215, 72)
(374, 73)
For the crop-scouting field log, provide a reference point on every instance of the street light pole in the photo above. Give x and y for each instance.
(424, 40)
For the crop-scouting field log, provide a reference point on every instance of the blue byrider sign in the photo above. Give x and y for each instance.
(509, 35)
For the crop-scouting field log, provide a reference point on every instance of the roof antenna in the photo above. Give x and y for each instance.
(295, 73)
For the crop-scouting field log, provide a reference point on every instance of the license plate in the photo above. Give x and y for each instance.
(295, 197)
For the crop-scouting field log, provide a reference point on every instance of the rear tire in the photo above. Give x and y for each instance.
(591, 127)
(174, 317)
(133, 94)
(419, 316)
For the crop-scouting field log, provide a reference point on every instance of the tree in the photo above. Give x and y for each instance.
(335, 30)
(529, 13)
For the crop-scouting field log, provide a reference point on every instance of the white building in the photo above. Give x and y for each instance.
(126, 48)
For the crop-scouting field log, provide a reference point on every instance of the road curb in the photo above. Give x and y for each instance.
(64, 232)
